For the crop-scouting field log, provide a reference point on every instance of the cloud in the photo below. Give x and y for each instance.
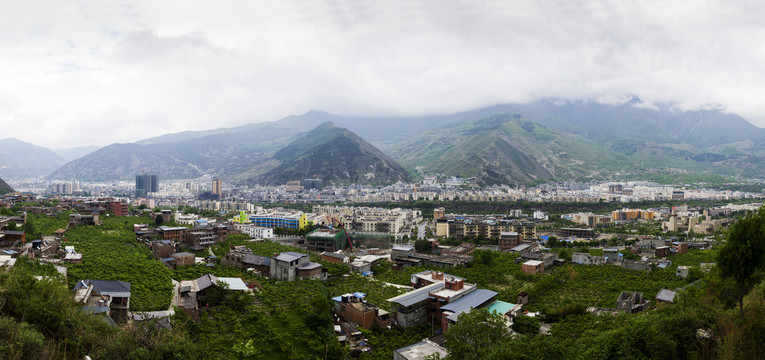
(101, 72)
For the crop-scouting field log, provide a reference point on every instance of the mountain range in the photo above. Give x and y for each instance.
(502, 144)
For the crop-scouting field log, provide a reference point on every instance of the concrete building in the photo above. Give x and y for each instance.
(420, 351)
(329, 240)
(146, 184)
(291, 266)
(104, 296)
(508, 240)
(682, 271)
(631, 302)
(313, 184)
(217, 186)
(484, 226)
(354, 308)
(293, 186)
(587, 259)
(533, 267)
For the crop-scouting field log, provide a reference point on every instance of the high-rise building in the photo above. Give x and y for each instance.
(309, 184)
(146, 184)
(217, 184)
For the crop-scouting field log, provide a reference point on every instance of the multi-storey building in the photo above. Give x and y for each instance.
(476, 227)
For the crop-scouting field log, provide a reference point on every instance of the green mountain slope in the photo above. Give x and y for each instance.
(334, 154)
(505, 149)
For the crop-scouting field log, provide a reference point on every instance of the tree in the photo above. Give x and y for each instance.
(526, 325)
(476, 334)
(422, 246)
(158, 221)
(742, 259)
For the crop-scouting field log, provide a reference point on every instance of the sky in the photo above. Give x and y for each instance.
(96, 72)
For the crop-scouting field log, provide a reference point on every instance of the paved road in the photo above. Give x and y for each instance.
(421, 233)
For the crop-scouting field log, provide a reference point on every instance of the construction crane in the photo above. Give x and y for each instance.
(340, 225)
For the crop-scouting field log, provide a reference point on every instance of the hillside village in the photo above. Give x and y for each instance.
(132, 265)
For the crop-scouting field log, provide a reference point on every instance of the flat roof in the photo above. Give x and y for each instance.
(421, 350)
(666, 295)
(501, 307)
(234, 283)
(533, 262)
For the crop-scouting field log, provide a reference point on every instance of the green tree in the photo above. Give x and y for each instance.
(526, 325)
(742, 259)
(422, 246)
(158, 221)
(476, 335)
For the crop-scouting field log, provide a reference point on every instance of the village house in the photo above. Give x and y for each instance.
(587, 259)
(104, 296)
(533, 267)
(354, 308)
(291, 266)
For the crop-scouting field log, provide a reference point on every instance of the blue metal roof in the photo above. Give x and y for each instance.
(467, 302)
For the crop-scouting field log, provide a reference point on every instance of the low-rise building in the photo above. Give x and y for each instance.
(682, 271)
(420, 351)
(533, 267)
(335, 257)
(587, 259)
(354, 308)
(104, 296)
(291, 266)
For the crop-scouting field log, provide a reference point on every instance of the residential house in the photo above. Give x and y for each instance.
(662, 251)
(206, 283)
(291, 266)
(105, 296)
(682, 271)
(533, 267)
(587, 259)
(636, 264)
(354, 308)
(508, 240)
(335, 257)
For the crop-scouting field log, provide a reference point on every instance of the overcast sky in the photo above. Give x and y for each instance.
(96, 72)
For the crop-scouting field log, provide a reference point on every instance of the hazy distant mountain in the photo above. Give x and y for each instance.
(586, 138)
(505, 149)
(4, 187)
(20, 159)
(220, 154)
(75, 152)
(334, 154)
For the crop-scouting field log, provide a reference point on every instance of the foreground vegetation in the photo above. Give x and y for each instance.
(293, 320)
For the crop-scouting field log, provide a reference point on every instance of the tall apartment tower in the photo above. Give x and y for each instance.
(216, 186)
(145, 184)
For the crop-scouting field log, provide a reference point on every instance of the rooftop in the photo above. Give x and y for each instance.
(472, 300)
(533, 263)
(421, 350)
(416, 296)
(501, 307)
